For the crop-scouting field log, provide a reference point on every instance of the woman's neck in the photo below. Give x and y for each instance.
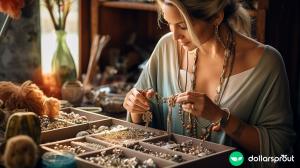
(214, 48)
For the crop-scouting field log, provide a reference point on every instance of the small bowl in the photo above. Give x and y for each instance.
(111, 103)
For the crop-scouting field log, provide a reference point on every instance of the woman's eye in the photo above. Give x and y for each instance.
(182, 26)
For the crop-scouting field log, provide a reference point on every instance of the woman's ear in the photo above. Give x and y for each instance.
(218, 19)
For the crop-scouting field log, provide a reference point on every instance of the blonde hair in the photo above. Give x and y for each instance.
(235, 16)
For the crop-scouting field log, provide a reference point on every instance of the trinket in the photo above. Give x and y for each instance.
(147, 118)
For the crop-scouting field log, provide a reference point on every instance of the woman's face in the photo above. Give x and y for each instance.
(203, 30)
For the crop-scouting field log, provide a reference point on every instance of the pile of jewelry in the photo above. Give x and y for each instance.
(76, 149)
(185, 147)
(118, 134)
(117, 159)
(106, 129)
(127, 136)
(173, 157)
(101, 130)
(72, 117)
(91, 145)
(47, 124)
(63, 120)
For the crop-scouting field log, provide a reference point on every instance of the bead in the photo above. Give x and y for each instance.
(117, 158)
(186, 147)
(73, 149)
(137, 147)
(82, 133)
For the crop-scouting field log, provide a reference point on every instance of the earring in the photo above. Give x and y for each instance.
(217, 35)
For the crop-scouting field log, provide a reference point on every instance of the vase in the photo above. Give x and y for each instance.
(63, 65)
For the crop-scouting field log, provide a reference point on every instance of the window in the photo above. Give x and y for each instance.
(48, 37)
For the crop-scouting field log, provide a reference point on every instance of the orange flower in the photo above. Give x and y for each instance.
(12, 7)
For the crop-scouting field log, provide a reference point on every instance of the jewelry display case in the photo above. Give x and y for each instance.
(88, 144)
(95, 128)
(120, 157)
(53, 130)
(123, 143)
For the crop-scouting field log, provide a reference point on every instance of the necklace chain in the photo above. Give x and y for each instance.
(191, 124)
(229, 54)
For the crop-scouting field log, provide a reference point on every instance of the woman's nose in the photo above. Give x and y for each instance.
(176, 34)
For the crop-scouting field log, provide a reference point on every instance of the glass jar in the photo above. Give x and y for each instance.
(58, 160)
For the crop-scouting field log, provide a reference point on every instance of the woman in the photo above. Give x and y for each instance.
(219, 76)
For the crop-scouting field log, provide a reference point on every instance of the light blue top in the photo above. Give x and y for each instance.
(261, 100)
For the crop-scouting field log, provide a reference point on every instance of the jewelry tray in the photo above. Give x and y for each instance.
(60, 133)
(67, 136)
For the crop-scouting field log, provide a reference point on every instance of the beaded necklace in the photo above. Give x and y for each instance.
(190, 124)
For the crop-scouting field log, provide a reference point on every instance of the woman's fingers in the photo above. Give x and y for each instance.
(189, 97)
(139, 98)
(135, 102)
(216, 128)
(188, 107)
(192, 102)
(134, 108)
(150, 93)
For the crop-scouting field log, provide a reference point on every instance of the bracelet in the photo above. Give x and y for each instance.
(224, 120)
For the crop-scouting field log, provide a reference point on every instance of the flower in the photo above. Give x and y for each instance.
(12, 7)
(59, 11)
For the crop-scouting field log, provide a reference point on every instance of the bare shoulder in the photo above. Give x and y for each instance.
(248, 51)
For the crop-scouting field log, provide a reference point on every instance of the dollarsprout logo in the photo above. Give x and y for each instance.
(236, 158)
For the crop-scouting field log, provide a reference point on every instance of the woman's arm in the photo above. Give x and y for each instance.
(244, 134)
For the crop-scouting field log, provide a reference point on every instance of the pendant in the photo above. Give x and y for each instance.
(189, 126)
(204, 131)
(218, 89)
(169, 121)
(147, 118)
(227, 52)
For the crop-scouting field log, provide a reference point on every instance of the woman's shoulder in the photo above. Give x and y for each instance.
(164, 49)
(166, 40)
(253, 53)
(272, 54)
(271, 59)
(165, 46)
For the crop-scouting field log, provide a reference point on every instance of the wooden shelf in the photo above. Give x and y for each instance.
(129, 5)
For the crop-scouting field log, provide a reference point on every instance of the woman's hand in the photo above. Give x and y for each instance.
(136, 102)
(200, 105)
